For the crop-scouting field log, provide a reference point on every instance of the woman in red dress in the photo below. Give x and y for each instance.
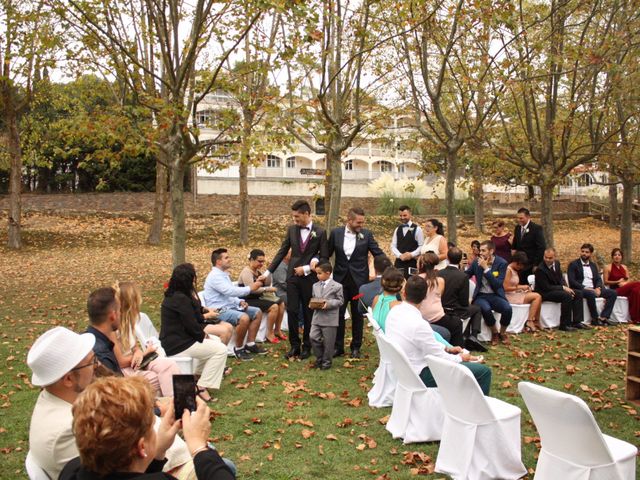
(616, 276)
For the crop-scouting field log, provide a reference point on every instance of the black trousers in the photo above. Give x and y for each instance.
(475, 323)
(570, 306)
(454, 325)
(299, 291)
(350, 290)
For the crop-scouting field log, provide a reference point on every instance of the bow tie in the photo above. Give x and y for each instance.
(304, 228)
(586, 264)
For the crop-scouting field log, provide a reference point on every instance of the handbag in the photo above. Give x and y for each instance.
(147, 359)
(270, 297)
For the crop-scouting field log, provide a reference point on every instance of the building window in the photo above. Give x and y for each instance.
(401, 168)
(291, 162)
(585, 180)
(204, 117)
(348, 165)
(273, 161)
(386, 167)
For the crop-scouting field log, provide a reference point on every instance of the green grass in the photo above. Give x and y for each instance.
(266, 405)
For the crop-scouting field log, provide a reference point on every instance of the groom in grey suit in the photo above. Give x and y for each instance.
(324, 324)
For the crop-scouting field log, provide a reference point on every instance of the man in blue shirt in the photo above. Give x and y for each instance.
(103, 308)
(222, 295)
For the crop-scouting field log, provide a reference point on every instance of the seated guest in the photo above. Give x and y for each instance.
(455, 299)
(113, 425)
(129, 353)
(520, 294)
(616, 276)
(407, 329)
(63, 364)
(103, 308)
(551, 286)
(265, 298)
(501, 239)
(583, 275)
(279, 277)
(490, 271)
(475, 251)
(182, 330)
(222, 295)
(431, 308)
(370, 290)
(392, 281)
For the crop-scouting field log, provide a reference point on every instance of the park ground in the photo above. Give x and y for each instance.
(278, 419)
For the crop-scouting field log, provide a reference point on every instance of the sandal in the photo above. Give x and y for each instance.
(281, 336)
(275, 339)
(530, 326)
(203, 393)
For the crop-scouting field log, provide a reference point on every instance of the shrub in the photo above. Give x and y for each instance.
(463, 206)
(393, 193)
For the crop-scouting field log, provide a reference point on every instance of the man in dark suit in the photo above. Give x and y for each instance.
(374, 287)
(490, 271)
(528, 238)
(351, 245)
(583, 275)
(550, 284)
(308, 244)
(455, 299)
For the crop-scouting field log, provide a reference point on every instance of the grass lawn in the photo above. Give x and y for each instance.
(278, 419)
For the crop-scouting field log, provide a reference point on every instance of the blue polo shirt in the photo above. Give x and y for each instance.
(103, 349)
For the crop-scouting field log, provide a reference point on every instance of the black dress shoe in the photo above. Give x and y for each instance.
(567, 328)
(294, 352)
(338, 353)
(325, 365)
(582, 326)
(306, 353)
(317, 364)
(608, 321)
(472, 344)
(596, 323)
(355, 353)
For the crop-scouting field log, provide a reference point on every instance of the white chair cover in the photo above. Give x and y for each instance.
(573, 447)
(146, 331)
(518, 321)
(621, 310)
(585, 309)
(550, 314)
(34, 471)
(417, 414)
(384, 380)
(481, 435)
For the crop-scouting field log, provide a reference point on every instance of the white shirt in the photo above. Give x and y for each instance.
(587, 281)
(406, 328)
(349, 244)
(405, 229)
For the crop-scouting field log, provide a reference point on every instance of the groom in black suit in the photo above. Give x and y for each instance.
(528, 238)
(351, 245)
(308, 244)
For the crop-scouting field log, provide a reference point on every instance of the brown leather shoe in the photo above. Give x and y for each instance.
(504, 338)
(495, 338)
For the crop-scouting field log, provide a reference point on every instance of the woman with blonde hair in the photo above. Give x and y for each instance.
(130, 353)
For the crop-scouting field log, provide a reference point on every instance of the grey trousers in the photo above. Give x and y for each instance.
(323, 340)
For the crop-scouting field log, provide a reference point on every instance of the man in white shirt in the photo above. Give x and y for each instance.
(406, 242)
(406, 328)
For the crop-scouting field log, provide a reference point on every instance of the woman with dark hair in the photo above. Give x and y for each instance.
(501, 239)
(435, 242)
(616, 276)
(520, 294)
(182, 330)
(431, 307)
(391, 282)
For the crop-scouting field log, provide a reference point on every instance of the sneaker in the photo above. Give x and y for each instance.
(242, 354)
(255, 349)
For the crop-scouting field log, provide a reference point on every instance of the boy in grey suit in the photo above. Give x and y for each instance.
(324, 325)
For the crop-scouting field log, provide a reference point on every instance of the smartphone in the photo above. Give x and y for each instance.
(413, 271)
(184, 394)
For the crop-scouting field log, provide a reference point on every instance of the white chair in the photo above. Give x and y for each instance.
(481, 435)
(621, 310)
(585, 309)
(518, 321)
(34, 471)
(573, 447)
(384, 380)
(550, 313)
(417, 414)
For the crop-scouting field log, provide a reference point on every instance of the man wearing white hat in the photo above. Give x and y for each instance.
(62, 363)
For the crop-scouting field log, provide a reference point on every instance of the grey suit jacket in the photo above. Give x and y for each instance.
(332, 293)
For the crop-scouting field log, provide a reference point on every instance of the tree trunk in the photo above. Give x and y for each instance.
(613, 205)
(333, 190)
(179, 240)
(626, 219)
(14, 238)
(478, 197)
(244, 196)
(450, 195)
(546, 207)
(159, 205)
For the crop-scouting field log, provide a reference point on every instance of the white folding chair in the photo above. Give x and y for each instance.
(573, 447)
(620, 311)
(550, 313)
(481, 435)
(417, 414)
(34, 471)
(384, 379)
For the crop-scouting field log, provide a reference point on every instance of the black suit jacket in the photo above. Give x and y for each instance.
(358, 264)
(317, 247)
(548, 280)
(576, 275)
(455, 298)
(533, 243)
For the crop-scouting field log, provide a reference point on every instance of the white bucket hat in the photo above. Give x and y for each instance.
(55, 353)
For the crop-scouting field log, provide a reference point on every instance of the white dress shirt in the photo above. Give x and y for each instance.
(405, 229)
(349, 244)
(587, 281)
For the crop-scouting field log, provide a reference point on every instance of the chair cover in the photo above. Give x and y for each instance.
(145, 331)
(481, 435)
(585, 309)
(417, 414)
(550, 314)
(384, 380)
(573, 447)
(34, 471)
(621, 310)
(518, 321)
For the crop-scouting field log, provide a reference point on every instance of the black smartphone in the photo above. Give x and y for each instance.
(184, 394)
